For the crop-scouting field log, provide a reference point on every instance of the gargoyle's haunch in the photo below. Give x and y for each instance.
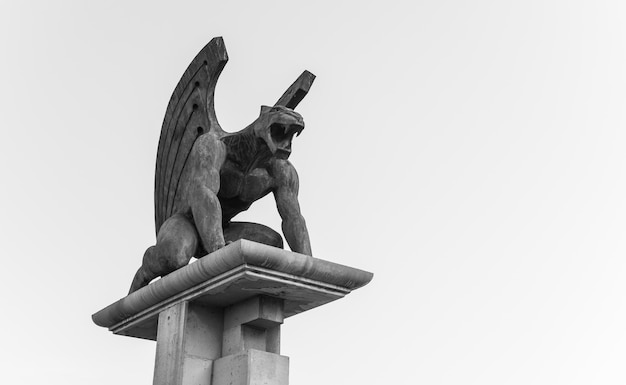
(205, 176)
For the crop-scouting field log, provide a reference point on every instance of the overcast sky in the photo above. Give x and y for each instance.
(468, 153)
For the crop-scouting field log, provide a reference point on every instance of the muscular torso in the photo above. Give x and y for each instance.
(245, 175)
(240, 188)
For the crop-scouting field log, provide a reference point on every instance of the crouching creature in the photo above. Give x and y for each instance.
(205, 176)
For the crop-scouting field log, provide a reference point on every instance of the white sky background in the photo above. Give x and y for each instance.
(469, 153)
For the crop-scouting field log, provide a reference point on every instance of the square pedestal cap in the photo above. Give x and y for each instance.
(232, 274)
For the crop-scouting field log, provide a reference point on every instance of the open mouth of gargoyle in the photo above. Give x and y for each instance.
(282, 134)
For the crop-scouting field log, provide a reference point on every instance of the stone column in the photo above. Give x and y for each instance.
(189, 339)
(251, 344)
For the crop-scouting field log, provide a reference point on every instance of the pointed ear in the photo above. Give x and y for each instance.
(265, 109)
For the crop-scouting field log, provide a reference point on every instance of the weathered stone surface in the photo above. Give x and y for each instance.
(205, 176)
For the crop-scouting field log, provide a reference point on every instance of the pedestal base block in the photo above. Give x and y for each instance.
(252, 367)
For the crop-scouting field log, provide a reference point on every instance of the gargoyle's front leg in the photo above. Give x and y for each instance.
(206, 162)
(286, 194)
(207, 216)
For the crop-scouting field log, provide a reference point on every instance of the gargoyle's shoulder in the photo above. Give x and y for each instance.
(208, 145)
(208, 140)
(282, 169)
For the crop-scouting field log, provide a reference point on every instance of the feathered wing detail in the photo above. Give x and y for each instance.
(190, 113)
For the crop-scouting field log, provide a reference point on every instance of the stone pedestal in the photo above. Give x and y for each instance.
(217, 321)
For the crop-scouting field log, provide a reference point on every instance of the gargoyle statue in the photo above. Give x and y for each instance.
(205, 176)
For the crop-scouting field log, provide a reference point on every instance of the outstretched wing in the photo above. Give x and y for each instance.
(190, 113)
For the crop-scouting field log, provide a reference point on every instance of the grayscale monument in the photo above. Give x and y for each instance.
(217, 320)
